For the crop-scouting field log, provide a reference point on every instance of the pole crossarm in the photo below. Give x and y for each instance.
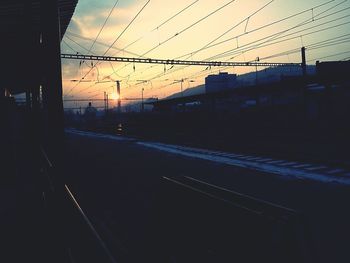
(178, 62)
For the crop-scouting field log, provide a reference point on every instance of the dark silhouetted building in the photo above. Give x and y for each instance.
(221, 82)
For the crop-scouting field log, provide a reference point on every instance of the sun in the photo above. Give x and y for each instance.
(115, 96)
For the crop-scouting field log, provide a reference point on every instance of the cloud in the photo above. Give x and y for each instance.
(91, 14)
(70, 68)
(74, 26)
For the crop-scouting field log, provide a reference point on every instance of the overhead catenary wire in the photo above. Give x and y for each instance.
(281, 20)
(321, 44)
(93, 43)
(315, 7)
(266, 44)
(175, 15)
(272, 23)
(274, 55)
(69, 46)
(249, 47)
(126, 28)
(259, 28)
(329, 56)
(104, 23)
(242, 50)
(191, 25)
(119, 36)
(269, 38)
(182, 31)
(313, 46)
(68, 34)
(162, 24)
(226, 32)
(123, 77)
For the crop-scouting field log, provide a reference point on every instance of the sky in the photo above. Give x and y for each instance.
(280, 27)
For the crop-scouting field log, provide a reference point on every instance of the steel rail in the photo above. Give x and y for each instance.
(88, 222)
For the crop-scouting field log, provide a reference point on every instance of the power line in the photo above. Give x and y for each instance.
(321, 44)
(230, 29)
(284, 36)
(159, 26)
(192, 25)
(316, 45)
(69, 46)
(310, 20)
(262, 27)
(81, 46)
(126, 28)
(265, 44)
(91, 52)
(184, 30)
(333, 55)
(178, 13)
(259, 28)
(227, 31)
(174, 62)
(156, 28)
(97, 42)
(113, 42)
(267, 38)
(241, 50)
(307, 21)
(99, 32)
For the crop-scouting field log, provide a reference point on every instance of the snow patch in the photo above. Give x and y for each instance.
(288, 172)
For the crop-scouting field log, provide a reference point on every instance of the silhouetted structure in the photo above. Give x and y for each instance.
(333, 71)
(221, 82)
(31, 32)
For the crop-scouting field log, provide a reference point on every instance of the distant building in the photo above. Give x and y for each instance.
(221, 82)
(90, 113)
(333, 71)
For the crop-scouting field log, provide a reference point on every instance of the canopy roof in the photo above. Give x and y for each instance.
(21, 25)
(16, 15)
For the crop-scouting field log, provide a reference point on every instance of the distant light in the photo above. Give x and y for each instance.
(115, 96)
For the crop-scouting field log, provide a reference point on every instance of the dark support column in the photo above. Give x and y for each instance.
(28, 100)
(119, 96)
(52, 78)
(105, 101)
(32, 75)
(27, 37)
(54, 128)
(303, 61)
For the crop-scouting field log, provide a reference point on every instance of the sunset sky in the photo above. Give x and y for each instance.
(324, 30)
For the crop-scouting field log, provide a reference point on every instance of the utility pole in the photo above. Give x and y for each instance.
(303, 61)
(104, 101)
(182, 81)
(107, 102)
(142, 106)
(256, 71)
(119, 98)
